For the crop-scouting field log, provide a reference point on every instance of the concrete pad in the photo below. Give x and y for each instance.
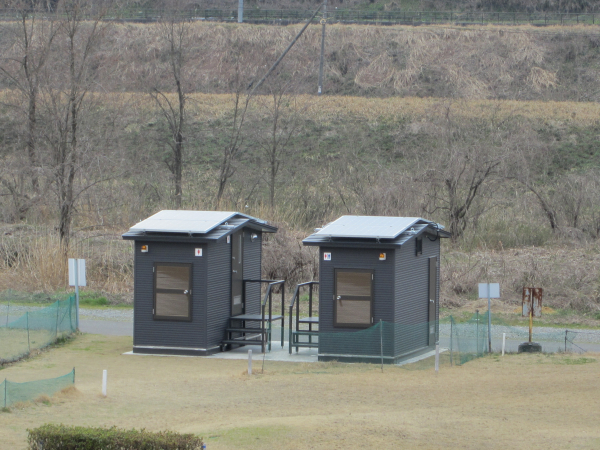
(278, 353)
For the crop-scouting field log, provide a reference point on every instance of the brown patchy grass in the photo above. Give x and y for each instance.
(519, 401)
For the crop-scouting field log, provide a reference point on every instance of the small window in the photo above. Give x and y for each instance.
(419, 246)
(172, 291)
(353, 298)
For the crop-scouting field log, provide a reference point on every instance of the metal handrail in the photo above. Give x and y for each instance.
(293, 302)
(269, 297)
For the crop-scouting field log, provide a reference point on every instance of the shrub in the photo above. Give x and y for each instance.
(53, 437)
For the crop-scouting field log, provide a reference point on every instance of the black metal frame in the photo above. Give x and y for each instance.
(294, 335)
(268, 297)
(155, 291)
(352, 325)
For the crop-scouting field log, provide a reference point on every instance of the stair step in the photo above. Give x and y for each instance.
(255, 317)
(305, 333)
(242, 341)
(246, 330)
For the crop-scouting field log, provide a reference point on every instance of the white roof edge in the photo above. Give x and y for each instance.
(176, 224)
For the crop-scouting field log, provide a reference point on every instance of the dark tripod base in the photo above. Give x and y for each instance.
(530, 347)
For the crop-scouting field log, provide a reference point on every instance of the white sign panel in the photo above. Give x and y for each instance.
(493, 293)
(77, 265)
(198, 252)
(326, 256)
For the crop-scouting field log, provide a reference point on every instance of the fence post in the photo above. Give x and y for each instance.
(28, 342)
(73, 375)
(477, 332)
(5, 394)
(451, 322)
(566, 331)
(57, 310)
(381, 341)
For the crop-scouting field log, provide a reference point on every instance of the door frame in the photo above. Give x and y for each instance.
(335, 298)
(432, 297)
(237, 273)
(167, 291)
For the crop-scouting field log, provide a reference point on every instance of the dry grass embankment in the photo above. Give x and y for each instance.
(488, 403)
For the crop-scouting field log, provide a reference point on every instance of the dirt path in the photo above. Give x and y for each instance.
(519, 401)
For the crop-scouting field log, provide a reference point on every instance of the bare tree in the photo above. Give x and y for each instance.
(232, 148)
(67, 95)
(460, 167)
(23, 68)
(283, 123)
(175, 36)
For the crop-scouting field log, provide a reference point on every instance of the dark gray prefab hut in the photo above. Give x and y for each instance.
(378, 271)
(189, 268)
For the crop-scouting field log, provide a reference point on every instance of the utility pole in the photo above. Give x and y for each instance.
(323, 22)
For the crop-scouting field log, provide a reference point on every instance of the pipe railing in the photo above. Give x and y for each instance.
(296, 302)
(268, 301)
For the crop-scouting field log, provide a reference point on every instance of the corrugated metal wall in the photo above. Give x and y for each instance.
(165, 333)
(383, 289)
(218, 304)
(412, 295)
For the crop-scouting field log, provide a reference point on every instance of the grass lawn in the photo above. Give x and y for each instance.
(516, 401)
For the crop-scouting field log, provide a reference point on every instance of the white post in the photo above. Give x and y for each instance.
(240, 11)
(503, 342)
(104, 376)
(489, 319)
(76, 270)
(437, 358)
(249, 362)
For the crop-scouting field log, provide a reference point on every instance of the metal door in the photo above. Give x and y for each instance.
(353, 298)
(432, 299)
(237, 273)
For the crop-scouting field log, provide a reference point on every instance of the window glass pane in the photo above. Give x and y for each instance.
(354, 284)
(172, 277)
(172, 305)
(353, 312)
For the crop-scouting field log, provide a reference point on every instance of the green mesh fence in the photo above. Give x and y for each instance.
(468, 340)
(37, 329)
(11, 392)
(410, 345)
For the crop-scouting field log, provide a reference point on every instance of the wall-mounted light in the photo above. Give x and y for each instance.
(144, 249)
(253, 237)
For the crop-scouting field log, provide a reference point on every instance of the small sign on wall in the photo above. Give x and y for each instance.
(326, 256)
(198, 252)
(382, 256)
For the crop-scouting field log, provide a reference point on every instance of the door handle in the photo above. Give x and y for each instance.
(339, 297)
(431, 300)
(235, 271)
(186, 292)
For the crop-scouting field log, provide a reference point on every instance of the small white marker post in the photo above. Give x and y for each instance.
(249, 362)
(104, 376)
(437, 358)
(503, 342)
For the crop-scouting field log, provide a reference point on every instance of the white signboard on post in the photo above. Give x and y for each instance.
(489, 290)
(77, 272)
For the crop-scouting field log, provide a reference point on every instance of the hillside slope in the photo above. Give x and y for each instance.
(482, 62)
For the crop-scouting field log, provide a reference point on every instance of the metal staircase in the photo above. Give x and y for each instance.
(300, 336)
(255, 329)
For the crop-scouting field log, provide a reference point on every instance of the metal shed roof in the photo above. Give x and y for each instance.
(360, 231)
(207, 224)
(196, 222)
(368, 227)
